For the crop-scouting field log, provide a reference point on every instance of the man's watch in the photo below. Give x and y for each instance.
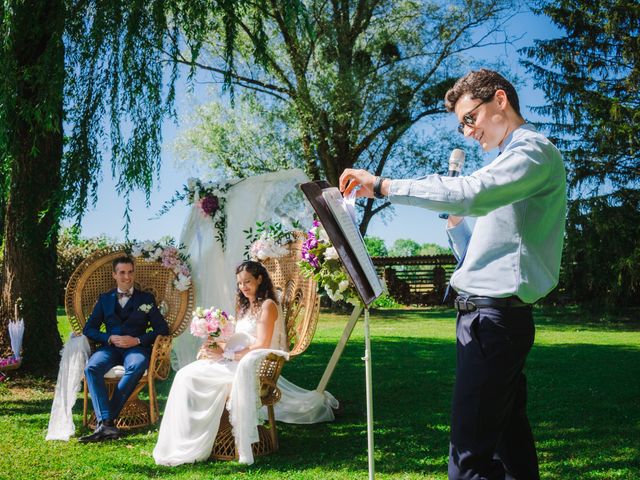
(377, 187)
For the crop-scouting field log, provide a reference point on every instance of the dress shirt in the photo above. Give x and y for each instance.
(123, 301)
(520, 200)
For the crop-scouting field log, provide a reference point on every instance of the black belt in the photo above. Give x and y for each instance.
(471, 304)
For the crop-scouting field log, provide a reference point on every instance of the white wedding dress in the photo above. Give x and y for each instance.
(198, 397)
(274, 197)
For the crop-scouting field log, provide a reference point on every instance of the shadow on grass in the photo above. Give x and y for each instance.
(584, 403)
(583, 400)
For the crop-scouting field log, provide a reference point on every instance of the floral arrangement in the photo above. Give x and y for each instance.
(212, 323)
(6, 363)
(320, 260)
(209, 198)
(268, 241)
(170, 256)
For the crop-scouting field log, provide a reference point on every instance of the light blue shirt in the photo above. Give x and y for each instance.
(520, 200)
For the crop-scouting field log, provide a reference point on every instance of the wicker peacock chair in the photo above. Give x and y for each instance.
(300, 307)
(93, 277)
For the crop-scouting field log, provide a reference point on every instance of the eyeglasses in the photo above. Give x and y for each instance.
(468, 120)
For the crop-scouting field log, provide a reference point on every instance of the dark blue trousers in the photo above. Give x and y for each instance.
(490, 434)
(135, 361)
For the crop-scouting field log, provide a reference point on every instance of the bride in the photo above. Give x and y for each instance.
(200, 389)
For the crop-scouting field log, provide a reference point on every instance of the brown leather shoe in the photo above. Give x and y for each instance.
(101, 433)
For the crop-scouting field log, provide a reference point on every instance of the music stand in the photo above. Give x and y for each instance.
(346, 239)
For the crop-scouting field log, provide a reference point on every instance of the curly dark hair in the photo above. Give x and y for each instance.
(481, 84)
(265, 289)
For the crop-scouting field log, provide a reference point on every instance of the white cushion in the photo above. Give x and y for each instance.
(117, 372)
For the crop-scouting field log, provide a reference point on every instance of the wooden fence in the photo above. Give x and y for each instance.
(418, 280)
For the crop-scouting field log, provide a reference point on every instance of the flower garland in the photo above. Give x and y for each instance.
(320, 260)
(209, 198)
(268, 241)
(170, 257)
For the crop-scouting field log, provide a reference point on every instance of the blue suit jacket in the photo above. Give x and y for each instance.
(130, 320)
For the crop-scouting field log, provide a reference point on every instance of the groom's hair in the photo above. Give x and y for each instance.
(265, 289)
(122, 259)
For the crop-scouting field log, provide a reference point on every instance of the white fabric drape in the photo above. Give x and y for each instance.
(273, 197)
(244, 402)
(75, 354)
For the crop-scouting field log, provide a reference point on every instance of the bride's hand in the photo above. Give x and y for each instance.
(209, 351)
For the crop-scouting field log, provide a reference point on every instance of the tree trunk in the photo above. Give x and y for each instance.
(33, 205)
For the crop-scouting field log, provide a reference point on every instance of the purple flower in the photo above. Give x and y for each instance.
(310, 258)
(316, 223)
(311, 243)
(209, 204)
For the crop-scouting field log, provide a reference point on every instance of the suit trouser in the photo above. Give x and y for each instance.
(490, 433)
(135, 361)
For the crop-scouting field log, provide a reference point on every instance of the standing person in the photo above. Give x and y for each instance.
(510, 260)
(126, 314)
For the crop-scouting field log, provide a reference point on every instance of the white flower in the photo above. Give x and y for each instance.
(342, 286)
(192, 183)
(331, 253)
(323, 235)
(264, 248)
(145, 307)
(136, 250)
(182, 283)
(148, 246)
(335, 296)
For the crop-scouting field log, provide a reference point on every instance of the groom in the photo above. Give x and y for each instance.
(126, 314)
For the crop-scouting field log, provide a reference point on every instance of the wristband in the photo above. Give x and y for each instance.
(377, 188)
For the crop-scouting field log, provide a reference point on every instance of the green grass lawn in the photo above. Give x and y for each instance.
(584, 404)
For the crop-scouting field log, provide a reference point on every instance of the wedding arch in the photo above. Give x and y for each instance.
(215, 238)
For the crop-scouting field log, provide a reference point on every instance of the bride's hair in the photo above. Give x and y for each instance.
(265, 289)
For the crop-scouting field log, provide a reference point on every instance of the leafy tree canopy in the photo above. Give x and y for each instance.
(591, 80)
(348, 83)
(375, 246)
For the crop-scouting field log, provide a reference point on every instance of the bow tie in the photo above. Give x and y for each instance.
(123, 295)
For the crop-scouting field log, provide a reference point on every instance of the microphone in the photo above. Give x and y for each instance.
(456, 162)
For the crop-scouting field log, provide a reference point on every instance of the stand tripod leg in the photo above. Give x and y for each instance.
(369, 390)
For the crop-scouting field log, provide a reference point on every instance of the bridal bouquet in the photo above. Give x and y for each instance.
(212, 323)
(320, 260)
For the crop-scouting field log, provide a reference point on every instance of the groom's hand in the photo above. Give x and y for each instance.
(124, 341)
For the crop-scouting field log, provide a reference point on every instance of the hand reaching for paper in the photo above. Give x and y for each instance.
(352, 178)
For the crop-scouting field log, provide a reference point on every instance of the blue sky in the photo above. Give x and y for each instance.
(418, 224)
